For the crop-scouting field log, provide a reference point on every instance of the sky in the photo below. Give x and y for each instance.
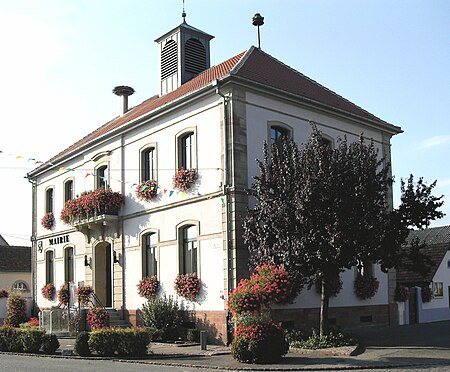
(60, 60)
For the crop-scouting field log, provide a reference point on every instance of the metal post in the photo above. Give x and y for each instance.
(202, 340)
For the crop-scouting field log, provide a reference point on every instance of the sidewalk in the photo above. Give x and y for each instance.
(416, 346)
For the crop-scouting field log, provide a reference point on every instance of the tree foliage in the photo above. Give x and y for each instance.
(321, 210)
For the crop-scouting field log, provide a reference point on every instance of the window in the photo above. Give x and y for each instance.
(20, 285)
(186, 151)
(448, 264)
(150, 242)
(365, 268)
(102, 179)
(277, 133)
(438, 289)
(148, 161)
(49, 200)
(49, 274)
(68, 190)
(68, 265)
(189, 250)
(325, 141)
(169, 59)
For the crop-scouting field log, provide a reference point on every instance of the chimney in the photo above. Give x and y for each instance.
(123, 92)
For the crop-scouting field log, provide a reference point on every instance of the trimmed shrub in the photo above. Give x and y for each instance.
(133, 342)
(31, 339)
(258, 339)
(16, 311)
(10, 340)
(162, 317)
(82, 344)
(50, 343)
(104, 341)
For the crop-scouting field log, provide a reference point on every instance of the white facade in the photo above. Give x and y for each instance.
(228, 122)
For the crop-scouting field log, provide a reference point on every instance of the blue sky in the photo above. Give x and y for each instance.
(60, 60)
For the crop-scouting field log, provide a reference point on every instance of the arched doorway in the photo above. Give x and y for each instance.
(103, 273)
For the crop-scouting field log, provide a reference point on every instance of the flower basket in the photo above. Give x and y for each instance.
(4, 293)
(64, 294)
(48, 221)
(148, 287)
(83, 294)
(334, 286)
(147, 190)
(92, 204)
(48, 291)
(187, 286)
(366, 286)
(97, 318)
(401, 293)
(427, 295)
(184, 178)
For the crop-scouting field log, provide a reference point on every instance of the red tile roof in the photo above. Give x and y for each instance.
(253, 65)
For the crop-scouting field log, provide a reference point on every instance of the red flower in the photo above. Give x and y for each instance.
(148, 287)
(97, 318)
(48, 221)
(187, 286)
(48, 291)
(184, 178)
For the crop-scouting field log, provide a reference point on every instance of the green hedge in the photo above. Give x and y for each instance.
(21, 340)
(119, 341)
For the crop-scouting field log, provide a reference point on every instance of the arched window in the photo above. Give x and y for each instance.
(49, 271)
(20, 285)
(102, 177)
(150, 255)
(68, 265)
(277, 133)
(49, 200)
(68, 190)
(186, 150)
(188, 250)
(148, 164)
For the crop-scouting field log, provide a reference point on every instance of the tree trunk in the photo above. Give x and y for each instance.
(324, 305)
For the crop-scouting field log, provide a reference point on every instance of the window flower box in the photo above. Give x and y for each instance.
(48, 291)
(184, 179)
(147, 190)
(83, 294)
(148, 287)
(187, 286)
(366, 286)
(64, 294)
(401, 293)
(48, 221)
(92, 204)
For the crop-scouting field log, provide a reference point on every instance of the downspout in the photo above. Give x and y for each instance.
(229, 261)
(122, 190)
(33, 241)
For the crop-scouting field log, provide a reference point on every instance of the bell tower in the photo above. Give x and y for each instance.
(183, 54)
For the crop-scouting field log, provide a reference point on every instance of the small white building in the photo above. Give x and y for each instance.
(437, 249)
(212, 119)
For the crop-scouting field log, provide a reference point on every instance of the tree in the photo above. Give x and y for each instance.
(320, 211)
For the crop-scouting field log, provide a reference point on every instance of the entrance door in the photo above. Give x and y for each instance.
(449, 296)
(103, 273)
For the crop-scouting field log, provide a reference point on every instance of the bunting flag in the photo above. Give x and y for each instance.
(86, 175)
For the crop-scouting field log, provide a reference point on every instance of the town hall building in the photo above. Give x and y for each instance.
(211, 119)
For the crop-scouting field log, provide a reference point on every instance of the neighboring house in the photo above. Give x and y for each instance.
(3, 241)
(15, 274)
(437, 240)
(212, 119)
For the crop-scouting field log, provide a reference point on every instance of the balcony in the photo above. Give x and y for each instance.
(95, 214)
